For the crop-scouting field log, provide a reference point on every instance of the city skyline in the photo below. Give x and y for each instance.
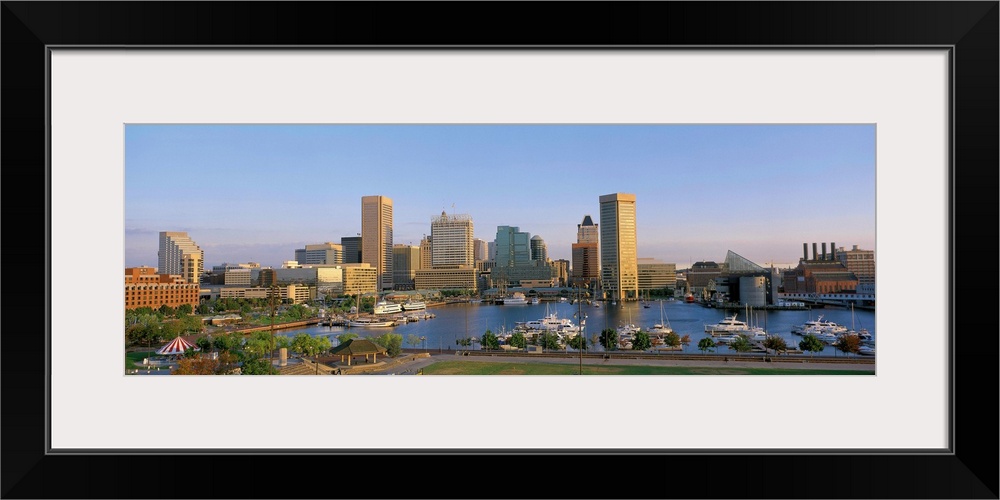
(258, 192)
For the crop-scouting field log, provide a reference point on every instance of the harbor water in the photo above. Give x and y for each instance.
(456, 321)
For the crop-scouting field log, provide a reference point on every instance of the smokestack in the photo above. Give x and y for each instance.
(833, 251)
(805, 251)
(823, 255)
(814, 251)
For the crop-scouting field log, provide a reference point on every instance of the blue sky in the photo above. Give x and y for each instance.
(257, 192)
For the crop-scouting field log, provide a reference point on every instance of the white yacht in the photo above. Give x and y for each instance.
(384, 307)
(371, 322)
(517, 298)
(818, 326)
(729, 325)
(414, 305)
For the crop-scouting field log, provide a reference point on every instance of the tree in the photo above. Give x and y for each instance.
(517, 340)
(609, 339)
(775, 343)
(810, 344)
(686, 339)
(167, 310)
(672, 339)
(196, 366)
(204, 343)
(741, 344)
(464, 341)
(204, 308)
(848, 344)
(706, 344)
(641, 341)
(490, 341)
(578, 342)
(258, 366)
(185, 309)
(413, 340)
(391, 342)
(305, 344)
(282, 341)
(344, 337)
(549, 340)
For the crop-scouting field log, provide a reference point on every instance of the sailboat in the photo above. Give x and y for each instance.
(863, 333)
(753, 331)
(663, 327)
(645, 303)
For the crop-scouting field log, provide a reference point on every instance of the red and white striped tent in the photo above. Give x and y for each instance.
(177, 346)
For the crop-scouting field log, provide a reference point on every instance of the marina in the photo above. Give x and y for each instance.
(462, 320)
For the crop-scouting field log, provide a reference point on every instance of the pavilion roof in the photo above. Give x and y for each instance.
(357, 346)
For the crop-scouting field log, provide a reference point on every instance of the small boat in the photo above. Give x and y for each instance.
(866, 350)
(371, 323)
(663, 327)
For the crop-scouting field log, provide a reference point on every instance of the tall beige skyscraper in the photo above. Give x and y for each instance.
(376, 237)
(452, 237)
(179, 255)
(619, 260)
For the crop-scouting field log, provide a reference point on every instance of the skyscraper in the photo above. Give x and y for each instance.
(480, 249)
(452, 237)
(376, 237)
(179, 255)
(586, 255)
(538, 249)
(352, 249)
(426, 247)
(619, 261)
(405, 264)
(512, 248)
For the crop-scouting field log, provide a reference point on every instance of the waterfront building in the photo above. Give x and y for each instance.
(295, 293)
(861, 263)
(352, 249)
(321, 253)
(178, 254)
(513, 261)
(586, 253)
(452, 237)
(455, 277)
(560, 271)
(824, 273)
(376, 237)
(655, 274)
(619, 262)
(405, 264)
(325, 275)
(360, 278)
(144, 287)
(701, 278)
(491, 250)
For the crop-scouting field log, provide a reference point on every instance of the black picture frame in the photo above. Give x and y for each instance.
(969, 28)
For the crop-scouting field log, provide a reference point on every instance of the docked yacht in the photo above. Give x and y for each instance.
(517, 298)
(384, 307)
(818, 326)
(371, 322)
(414, 305)
(729, 325)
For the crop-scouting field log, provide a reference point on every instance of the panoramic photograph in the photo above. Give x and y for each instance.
(496, 249)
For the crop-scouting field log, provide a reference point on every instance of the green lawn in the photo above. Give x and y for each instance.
(487, 368)
(133, 360)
